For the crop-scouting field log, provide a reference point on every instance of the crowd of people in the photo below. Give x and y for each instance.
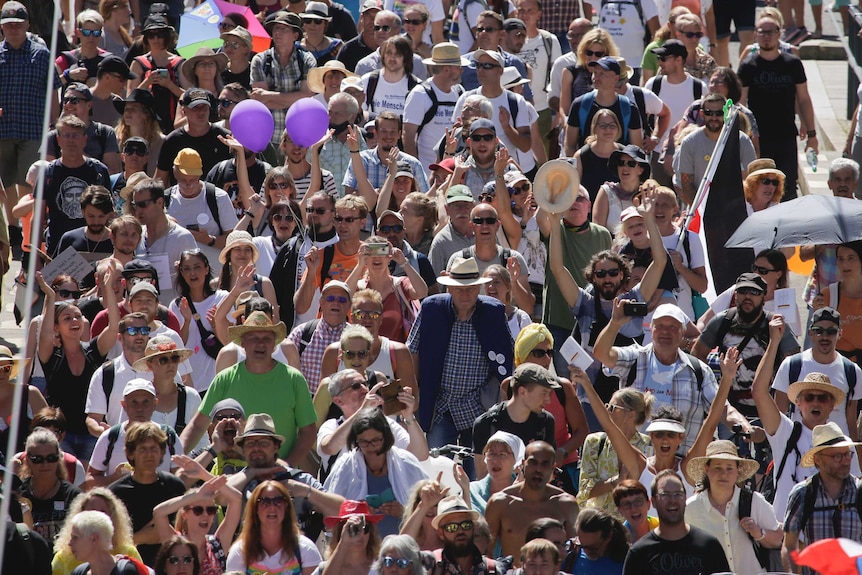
(274, 350)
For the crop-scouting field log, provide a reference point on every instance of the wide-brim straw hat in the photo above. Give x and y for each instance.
(187, 70)
(315, 75)
(815, 381)
(764, 167)
(450, 506)
(257, 321)
(825, 437)
(446, 54)
(724, 450)
(6, 355)
(158, 346)
(462, 273)
(238, 238)
(556, 185)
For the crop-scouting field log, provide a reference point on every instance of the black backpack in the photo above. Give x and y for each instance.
(808, 508)
(173, 439)
(435, 104)
(471, 253)
(283, 273)
(696, 366)
(212, 203)
(769, 481)
(374, 78)
(744, 509)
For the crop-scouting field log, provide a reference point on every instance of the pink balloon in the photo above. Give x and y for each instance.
(306, 122)
(252, 124)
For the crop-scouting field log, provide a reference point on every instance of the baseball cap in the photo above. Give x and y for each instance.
(335, 284)
(195, 97)
(390, 213)
(510, 24)
(136, 143)
(458, 193)
(826, 314)
(189, 163)
(13, 12)
(447, 164)
(138, 266)
(352, 83)
(750, 280)
(482, 124)
(490, 53)
(139, 384)
(608, 63)
(629, 213)
(226, 404)
(670, 310)
(114, 65)
(143, 287)
(512, 177)
(81, 88)
(371, 5)
(671, 48)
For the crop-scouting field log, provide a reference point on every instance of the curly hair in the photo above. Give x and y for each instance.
(624, 263)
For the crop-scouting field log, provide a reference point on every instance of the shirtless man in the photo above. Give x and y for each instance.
(511, 511)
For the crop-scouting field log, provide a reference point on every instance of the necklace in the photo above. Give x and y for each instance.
(90, 249)
(46, 493)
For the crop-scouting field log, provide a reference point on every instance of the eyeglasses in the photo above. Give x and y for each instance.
(540, 353)
(318, 211)
(761, 270)
(602, 273)
(749, 291)
(135, 150)
(712, 112)
(226, 102)
(363, 314)
(393, 229)
(830, 331)
(200, 509)
(770, 32)
(70, 135)
(39, 459)
(839, 457)
(770, 181)
(523, 189)
(489, 220)
(597, 53)
(812, 397)
(164, 359)
(606, 126)
(143, 204)
(487, 29)
(370, 443)
(222, 416)
(454, 527)
(231, 44)
(349, 354)
(413, 22)
(277, 186)
(612, 408)
(340, 298)
(636, 502)
(487, 65)
(74, 100)
(348, 219)
(691, 35)
(87, 33)
(378, 28)
(672, 494)
(627, 163)
(482, 137)
(259, 442)
(67, 293)
(282, 217)
(143, 330)
(400, 562)
(6, 368)
(186, 559)
(352, 387)
(133, 281)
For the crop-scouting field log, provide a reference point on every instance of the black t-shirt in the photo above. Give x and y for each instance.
(772, 93)
(141, 499)
(243, 77)
(223, 175)
(352, 52)
(698, 553)
(63, 189)
(212, 151)
(584, 131)
(539, 426)
(67, 390)
(49, 514)
(78, 240)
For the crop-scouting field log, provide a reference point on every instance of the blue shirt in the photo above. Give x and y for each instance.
(602, 566)
(23, 74)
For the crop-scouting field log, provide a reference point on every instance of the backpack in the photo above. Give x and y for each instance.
(148, 64)
(695, 364)
(769, 480)
(283, 273)
(114, 435)
(808, 509)
(587, 104)
(269, 58)
(494, 414)
(461, 11)
(374, 78)
(307, 334)
(467, 253)
(744, 510)
(849, 373)
(212, 202)
(435, 104)
(696, 85)
(549, 46)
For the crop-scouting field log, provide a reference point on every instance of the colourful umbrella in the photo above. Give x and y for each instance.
(199, 27)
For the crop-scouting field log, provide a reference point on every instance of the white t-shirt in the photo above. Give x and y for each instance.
(415, 108)
(388, 96)
(623, 22)
(678, 97)
(466, 22)
(169, 418)
(683, 292)
(793, 472)
(118, 455)
(652, 103)
(402, 438)
(110, 407)
(435, 7)
(284, 563)
(536, 57)
(203, 366)
(163, 252)
(196, 212)
(527, 160)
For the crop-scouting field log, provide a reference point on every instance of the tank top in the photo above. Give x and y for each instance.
(561, 426)
(596, 171)
(383, 363)
(616, 204)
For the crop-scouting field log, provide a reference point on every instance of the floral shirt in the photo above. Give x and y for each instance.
(599, 461)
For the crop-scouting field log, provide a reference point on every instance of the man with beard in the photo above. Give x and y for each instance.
(300, 168)
(334, 151)
(125, 235)
(458, 233)
(692, 156)
(745, 327)
(674, 546)
(92, 240)
(390, 225)
(482, 144)
(289, 265)
(260, 445)
(455, 523)
(223, 456)
(510, 512)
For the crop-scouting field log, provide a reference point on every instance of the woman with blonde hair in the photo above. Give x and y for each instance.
(98, 499)
(578, 79)
(649, 62)
(420, 220)
(419, 511)
(689, 31)
(593, 158)
(115, 33)
(500, 288)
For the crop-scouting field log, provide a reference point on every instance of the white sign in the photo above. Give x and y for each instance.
(575, 355)
(68, 262)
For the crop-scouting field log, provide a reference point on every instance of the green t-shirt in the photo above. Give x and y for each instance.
(282, 392)
(578, 250)
(650, 60)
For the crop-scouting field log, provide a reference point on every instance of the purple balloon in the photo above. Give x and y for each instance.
(306, 122)
(252, 124)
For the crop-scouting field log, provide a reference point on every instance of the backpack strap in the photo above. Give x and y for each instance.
(850, 378)
(371, 88)
(656, 84)
(792, 442)
(218, 550)
(181, 408)
(626, 111)
(212, 204)
(307, 334)
(113, 435)
(745, 501)
(328, 256)
(549, 46)
(172, 438)
(109, 374)
(504, 256)
(512, 99)
(697, 88)
(584, 109)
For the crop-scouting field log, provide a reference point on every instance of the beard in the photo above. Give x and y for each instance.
(461, 549)
(749, 317)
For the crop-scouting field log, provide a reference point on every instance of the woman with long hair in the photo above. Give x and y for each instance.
(420, 510)
(99, 499)
(500, 288)
(399, 555)
(240, 251)
(416, 21)
(178, 556)
(90, 541)
(158, 70)
(270, 540)
(649, 63)
(399, 183)
(138, 118)
(69, 363)
(278, 186)
(355, 540)
(633, 169)
(196, 297)
(593, 164)
(578, 79)
(115, 33)
(282, 218)
(196, 513)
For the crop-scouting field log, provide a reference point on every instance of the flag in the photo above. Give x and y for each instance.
(831, 557)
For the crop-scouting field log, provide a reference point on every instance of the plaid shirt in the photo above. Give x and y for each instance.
(284, 78)
(558, 14)
(335, 157)
(684, 394)
(22, 89)
(830, 517)
(312, 357)
(377, 170)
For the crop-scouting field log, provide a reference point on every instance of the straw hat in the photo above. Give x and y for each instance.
(725, 450)
(6, 355)
(241, 300)
(258, 425)
(257, 321)
(127, 190)
(158, 346)
(763, 167)
(824, 437)
(446, 54)
(350, 508)
(462, 273)
(238, 238)
(815, 382)
(450, 506)
(187, 70)
(555, 187)
(315, 75)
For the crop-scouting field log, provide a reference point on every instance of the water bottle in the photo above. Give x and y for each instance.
(811, 157)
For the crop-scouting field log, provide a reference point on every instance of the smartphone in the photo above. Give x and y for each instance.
(163, 73)
(635, 309)
(354, 529)
(389, 393)
(378, 249)
(193, 227)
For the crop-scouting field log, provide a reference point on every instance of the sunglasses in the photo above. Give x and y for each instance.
(74, 100)
(761, 270)
(362, 314)
(6, 368)
(486, 198)
(712, 112)
(488, 29)
(612, 408)
(454, 527)
(597, 53)
(352, 387)
(164, 360)
(38, 459)
(602, 273)
(489, 220)
(771, 32)
(277, 186)
(487, 65)
(135, 151)
(143, 330)
(186, 559)
(393, 229)
(232, 45)
(93, 33)
(749, 291)
(811, 397)
(68, 293)
(361, 354)
(540, 353)
(282, 217)
(339, 298)
(606, 126)
(830, 331)
(277, 501)
(226, 102)
(417, 22)
(222, 416)
(666, 58)
(318, 211)
(691, 35)
(770, 181)
(156, 34)
(348, 219)
(628, 163)
(200, 510)
(482, 137)
(401, 563)
(523, 189)
(314, 21)
(384, 28)
(143, 203)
